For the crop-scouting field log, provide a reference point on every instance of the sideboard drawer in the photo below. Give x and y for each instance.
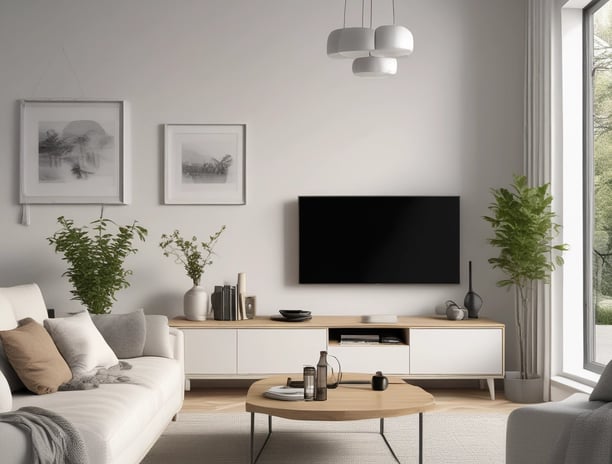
(273, 351)
(210, 351)
(446, 351)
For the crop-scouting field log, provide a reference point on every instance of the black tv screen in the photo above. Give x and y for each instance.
(379, 239)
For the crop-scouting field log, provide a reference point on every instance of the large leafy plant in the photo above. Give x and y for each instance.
(524, 230)
(192, 254)
(95, 258)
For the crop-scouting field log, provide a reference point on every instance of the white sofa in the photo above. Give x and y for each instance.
(118, 422)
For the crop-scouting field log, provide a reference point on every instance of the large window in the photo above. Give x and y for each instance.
(598, 183)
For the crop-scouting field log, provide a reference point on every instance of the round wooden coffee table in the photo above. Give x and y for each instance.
(350, 401)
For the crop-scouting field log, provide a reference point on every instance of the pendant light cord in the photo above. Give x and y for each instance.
(344, 25)
(393, 3)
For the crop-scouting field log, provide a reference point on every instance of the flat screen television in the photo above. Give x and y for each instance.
(379, 239)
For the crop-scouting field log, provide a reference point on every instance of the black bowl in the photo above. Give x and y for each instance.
(294, 313)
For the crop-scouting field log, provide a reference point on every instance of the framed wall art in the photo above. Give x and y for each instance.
(73, 151)
(205, 164)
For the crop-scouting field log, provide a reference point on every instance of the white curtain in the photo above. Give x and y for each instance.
(542, 135)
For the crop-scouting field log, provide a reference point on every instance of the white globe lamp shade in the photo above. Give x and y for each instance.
(392, 41)
(374, 66)
(350, 42)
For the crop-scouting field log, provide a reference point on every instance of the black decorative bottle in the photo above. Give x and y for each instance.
(321, 389)
(472, 300)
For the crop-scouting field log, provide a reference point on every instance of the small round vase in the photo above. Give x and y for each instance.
(195, 303)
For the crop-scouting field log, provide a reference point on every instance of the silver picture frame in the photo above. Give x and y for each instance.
(73, 151)
(205, 164)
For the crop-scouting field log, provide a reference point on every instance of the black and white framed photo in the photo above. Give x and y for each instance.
(205, 164)
(73, 151)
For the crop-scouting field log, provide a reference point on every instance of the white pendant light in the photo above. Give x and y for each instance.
(373, 51)
(393, 41)
(350, 42)
(374, 66)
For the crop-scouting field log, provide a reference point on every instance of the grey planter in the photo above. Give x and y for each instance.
(520, 390)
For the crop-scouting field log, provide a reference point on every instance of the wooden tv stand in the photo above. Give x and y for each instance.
(429, 347)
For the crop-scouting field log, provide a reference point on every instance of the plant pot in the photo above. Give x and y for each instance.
(195, 304)
(520, 390)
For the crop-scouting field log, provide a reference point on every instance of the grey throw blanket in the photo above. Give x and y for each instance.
(590, 439)
(54, 439)
(88, 381)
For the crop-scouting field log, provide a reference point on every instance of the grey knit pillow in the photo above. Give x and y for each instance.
(603, 389)
(124, 333)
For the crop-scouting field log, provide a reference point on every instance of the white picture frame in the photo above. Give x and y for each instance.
(73, 151)
(205, 164)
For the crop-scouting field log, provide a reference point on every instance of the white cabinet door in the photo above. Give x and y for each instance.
(277, 351)
(210, 351)
(369, 359)
(452, 351)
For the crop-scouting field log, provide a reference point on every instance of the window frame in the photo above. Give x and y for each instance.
(588, 185)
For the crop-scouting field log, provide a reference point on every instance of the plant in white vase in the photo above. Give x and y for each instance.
(524, 230)
(194, 256)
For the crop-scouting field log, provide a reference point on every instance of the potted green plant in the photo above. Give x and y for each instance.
(95, 258)
(194, 256)
(524, 230)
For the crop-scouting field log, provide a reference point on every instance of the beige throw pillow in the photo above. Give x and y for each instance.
(35, 358)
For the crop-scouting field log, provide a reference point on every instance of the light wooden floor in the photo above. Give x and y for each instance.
(231, 399)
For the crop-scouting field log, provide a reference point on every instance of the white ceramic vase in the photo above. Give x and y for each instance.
(195, 303)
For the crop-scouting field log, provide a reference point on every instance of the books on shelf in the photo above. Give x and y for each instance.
(284, 393)
(369, 339)
(352, 339)
(225, 303)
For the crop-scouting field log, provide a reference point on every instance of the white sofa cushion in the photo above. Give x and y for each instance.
(7, 315)
(26, 301)
(6, 396)
(80, 343)
(157, 342)
(114, 420)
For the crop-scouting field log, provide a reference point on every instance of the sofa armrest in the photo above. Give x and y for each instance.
(16, 445)
(177, 343)
(538, 433)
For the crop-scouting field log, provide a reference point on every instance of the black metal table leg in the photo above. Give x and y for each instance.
(382, 434)
(420, 438)
(255, 458)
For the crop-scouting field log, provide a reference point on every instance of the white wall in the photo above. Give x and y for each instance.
(450, 122)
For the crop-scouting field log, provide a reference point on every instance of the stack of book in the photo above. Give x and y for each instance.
(225, 303)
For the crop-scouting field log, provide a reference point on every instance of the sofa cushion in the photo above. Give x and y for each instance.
(26, 301)
(81, 344)
(6, 396)
(35, 358)
(157, 342)
(603, 389)
(113, 418)
(124, 333)
(7, 315)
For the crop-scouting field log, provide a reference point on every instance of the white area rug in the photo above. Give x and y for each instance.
(224, 438)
